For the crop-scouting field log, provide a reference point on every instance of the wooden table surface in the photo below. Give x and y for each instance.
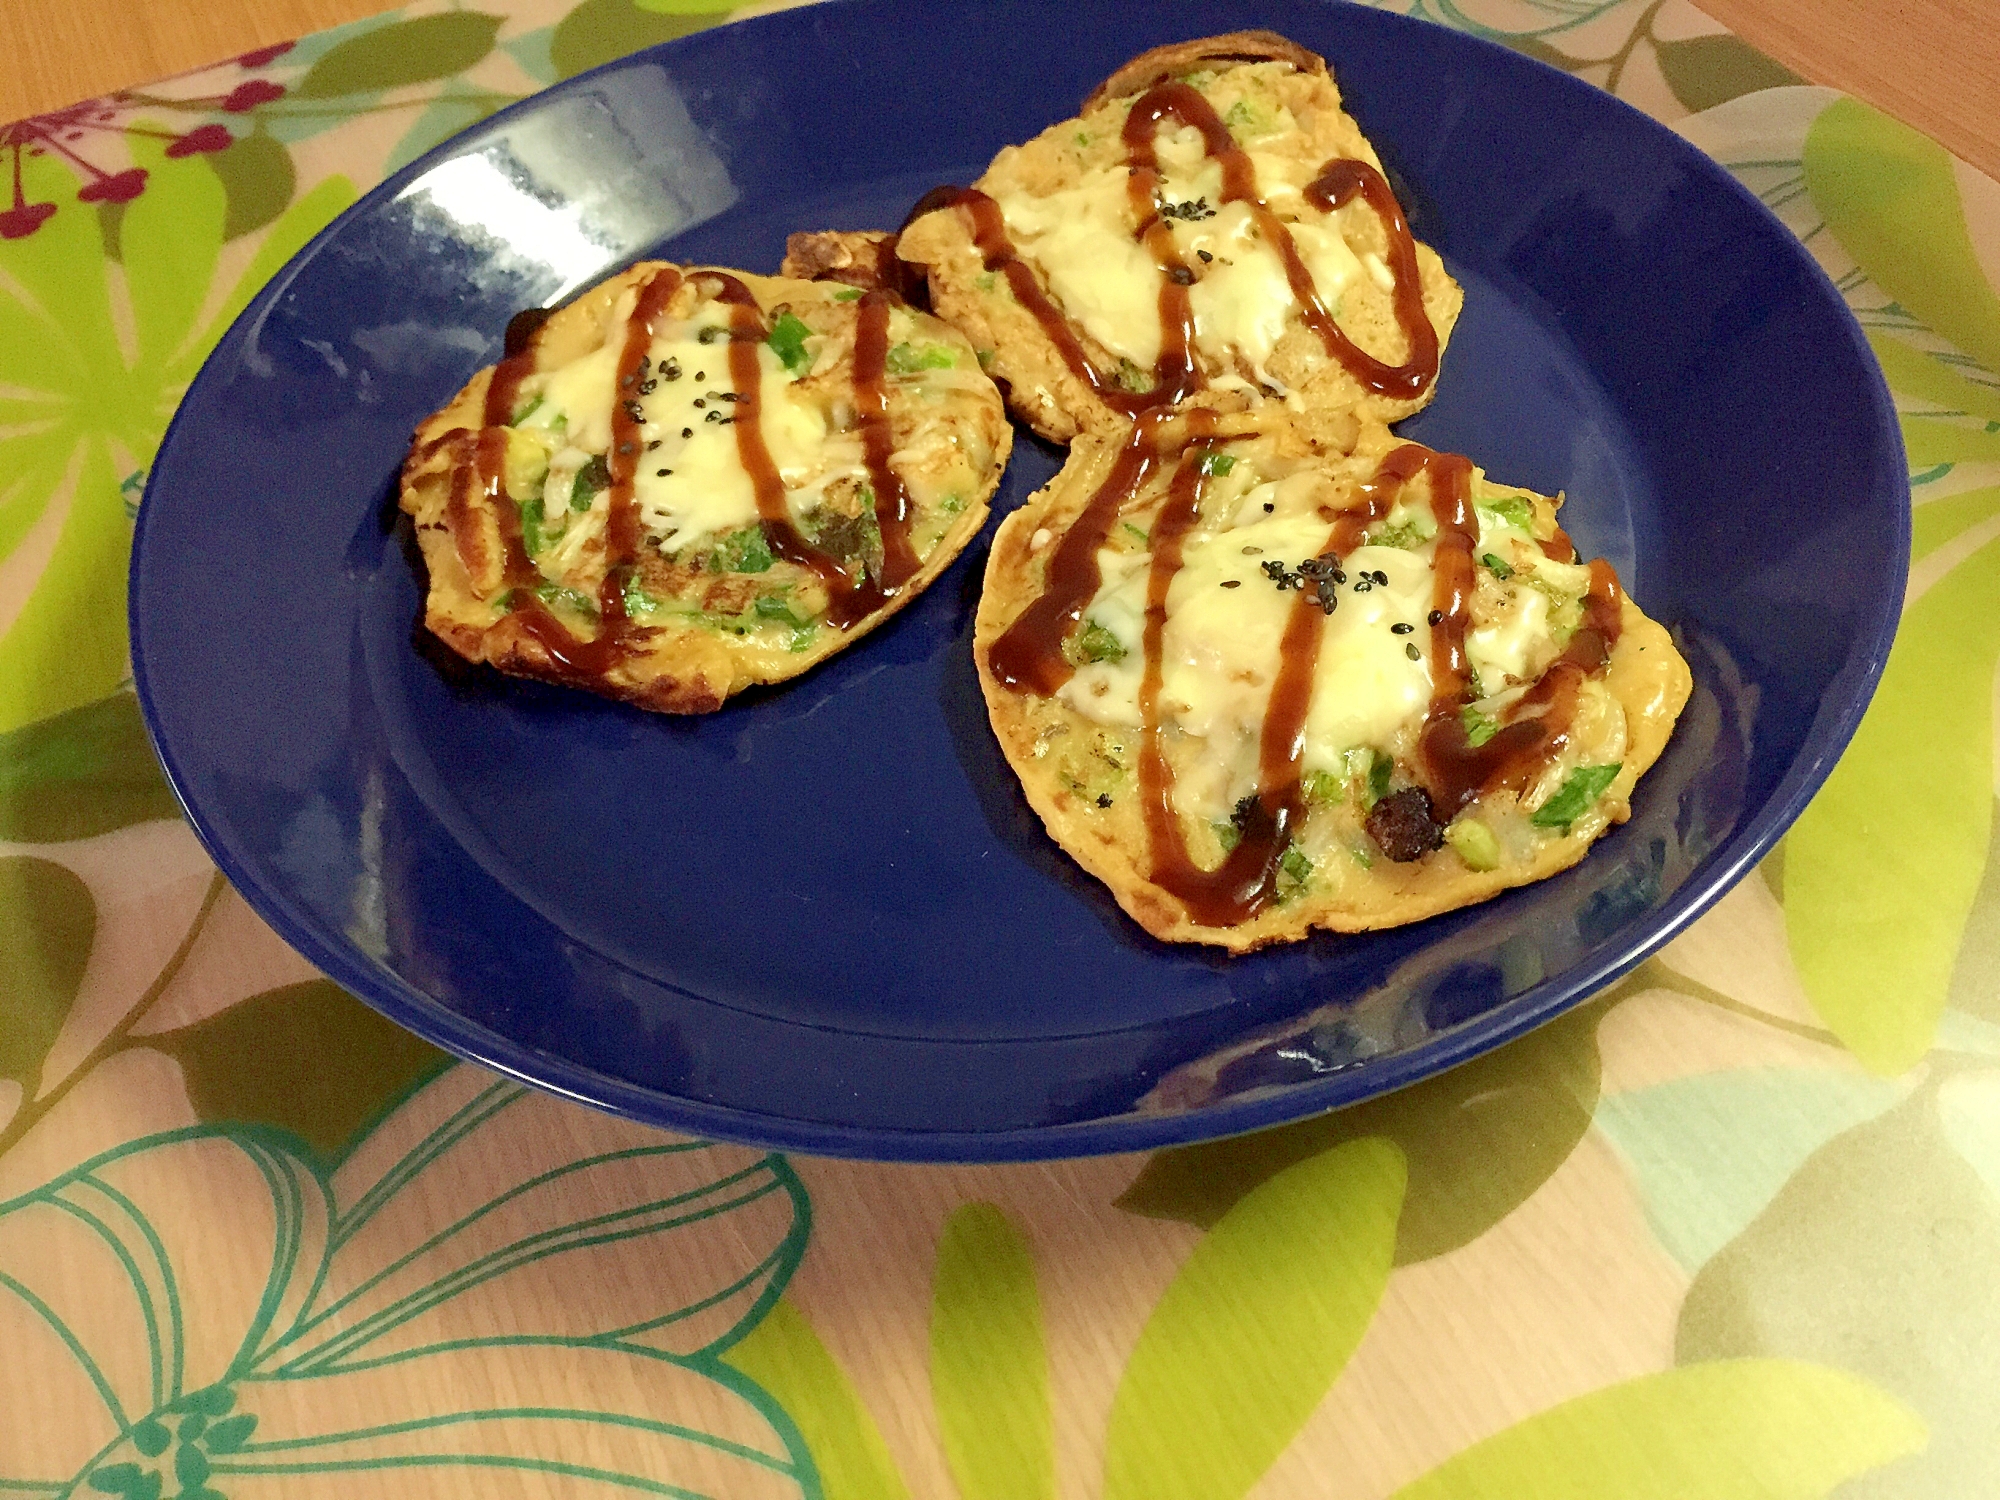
(1932, 63)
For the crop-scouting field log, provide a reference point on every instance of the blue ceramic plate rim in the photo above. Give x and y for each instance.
(1715, 874)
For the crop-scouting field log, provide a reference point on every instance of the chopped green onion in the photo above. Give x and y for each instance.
(1511, 510)
(1324, 787)
(1378, 779)
(1217, 464)
(788, 342)
(1495, 566)
(1295, 864)
(1479, 727)
(1475, 843)
(904, 360)
(522, 413)
(1576, 796)
(744, 551)
(1138, 535)
(531, 525)
(1410, 534)
(773, 607)
(848, 294)
(570, 599)
(1095, 643)
(591, 478)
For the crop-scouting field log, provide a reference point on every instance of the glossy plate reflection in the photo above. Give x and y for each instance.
(824, 918)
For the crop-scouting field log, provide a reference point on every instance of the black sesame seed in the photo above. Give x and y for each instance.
(1337, 576)
(1410, 650)
(699, 403)
(1204, 255)
(652, 445)
(1381, 579)
(627, 447)
(1180, 275)
(671, 370)
(709, 335)
(1401, 627)
(1104, 799)
(701, 374)
(687, 432)
(1252, 552)
(727, 395)
(625, 380)
(1326, 606)
(1435, 617)
(1269, 507)
(1232, 583)
(635, 411)
(647, 387)
(662, 473)
(1364, 586)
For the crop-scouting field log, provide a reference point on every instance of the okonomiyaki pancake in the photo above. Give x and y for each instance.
(1212, 219)
(690, 480)
(1258, 685)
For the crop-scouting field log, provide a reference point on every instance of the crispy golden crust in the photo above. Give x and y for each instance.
(706, 639)
(1296, 97)
(1177, 58)
(1079, 774)
(864, 258)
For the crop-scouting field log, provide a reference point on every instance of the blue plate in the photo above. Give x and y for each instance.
(824, 918)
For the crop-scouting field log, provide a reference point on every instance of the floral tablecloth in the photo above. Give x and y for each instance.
(1730, 1229)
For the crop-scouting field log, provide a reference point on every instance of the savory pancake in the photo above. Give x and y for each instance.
(1258, 684)
(690, 480)
(1213, 219)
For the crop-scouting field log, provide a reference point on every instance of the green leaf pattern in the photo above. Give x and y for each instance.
(366, 1271)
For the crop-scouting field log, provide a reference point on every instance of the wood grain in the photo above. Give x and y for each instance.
(1933, 63)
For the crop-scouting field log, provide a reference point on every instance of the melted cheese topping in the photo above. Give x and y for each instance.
(1226, 619)
(691, 484)
(1081, 239)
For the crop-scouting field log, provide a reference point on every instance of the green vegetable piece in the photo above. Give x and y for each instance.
(788, 342)
(1576, 796)
(1496, 567)
(1511, 510)
(802, 638)
(1325, 788)
(531, 526)
(1296, 865)
(1240, 113)
(570, 599)
(1479, 727)
(1228, 835)
(1378, 779)
(1139, 535)
(637, 601)
(985, 358)
(905, 360)
(1217, 464)
(744, 551)
(849, 294)
(1095, 643)
(522, 413)
(774, 607)
(1406, 536)
(590, 479)
(1475, 843)
(1131, 378)
(987, 282)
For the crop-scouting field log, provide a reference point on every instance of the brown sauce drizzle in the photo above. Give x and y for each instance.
(593, 658)
(878, 441)
(1177, 373)
(516, 364)
(1338, 181)
(1028, 656)
(851, 591)
(1456, 770)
